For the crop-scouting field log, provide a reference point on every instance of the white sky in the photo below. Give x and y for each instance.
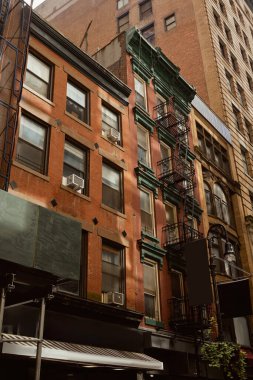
(35, 2)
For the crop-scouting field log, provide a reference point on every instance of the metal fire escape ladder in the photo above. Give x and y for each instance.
(14, 36)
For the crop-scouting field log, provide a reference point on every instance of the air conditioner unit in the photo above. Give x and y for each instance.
(114, 298)
(75, 182)
(113, 135)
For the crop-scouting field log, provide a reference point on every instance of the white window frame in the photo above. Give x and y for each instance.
(31, 70)
(152, 209)
(147, 148)
(154, 265)
(140, 80)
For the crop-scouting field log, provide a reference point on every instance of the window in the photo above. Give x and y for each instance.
(32, 147)
(145, 9)
(228, 34)
(166, 158)
(230, 82)
(248, 130)
(244, 155)
(212, 150)
(171, 219)
(237, 28)
(143, 145)
(244, 55)
(112, 269)
(241, 95)
(222, 8)
(147, 212)
(240, 16)
(110, 120)
(208, 196)
(75, 162)
(151, 292)
(221, 204)
(149, 33)
(170, 22)
(217, 19)
(140, 92)
(234, 63)
(38, 76)
(123, 22)
(112, 187)
(77, 102)
(250, 82)
(121, 3)
(246, 40)
(178, 295)
(161, 107)
(223, 49)
(237, 117)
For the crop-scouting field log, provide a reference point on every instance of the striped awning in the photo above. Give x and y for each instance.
(78, 353)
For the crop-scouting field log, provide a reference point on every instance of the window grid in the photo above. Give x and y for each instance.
(170, 22)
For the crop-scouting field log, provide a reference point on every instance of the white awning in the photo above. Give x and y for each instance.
(79, 354)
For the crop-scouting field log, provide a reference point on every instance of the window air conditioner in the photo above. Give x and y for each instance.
(75, 182)
(115, 298)
(113, 135)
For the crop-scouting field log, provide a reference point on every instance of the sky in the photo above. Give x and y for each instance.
(35, 2)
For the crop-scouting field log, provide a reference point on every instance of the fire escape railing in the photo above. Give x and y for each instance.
(176, 235)
(184, 316)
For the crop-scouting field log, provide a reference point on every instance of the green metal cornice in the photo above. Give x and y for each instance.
(141, 69)
(143, 118)
(146, 178)
(166, 137)
(151, 251)
(154, 63)
(171, 195)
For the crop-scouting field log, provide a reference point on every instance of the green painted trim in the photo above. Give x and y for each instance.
(151, 251)
(171, 195)
(145, 234)
(153, 322)
(143, 118)
(141, 69)
(146, 178)
(166, 137)
(167, 78)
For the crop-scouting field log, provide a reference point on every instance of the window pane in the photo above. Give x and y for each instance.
(139, 87)
(38, 67)
(111, 188)
(149, 306)
(36, 84)
(74, 157)
(32, 132)
(109, 119)
(112, 276)
(145, 201)
(123, 23)
(150, 290)
(76, 95)
(30, 156)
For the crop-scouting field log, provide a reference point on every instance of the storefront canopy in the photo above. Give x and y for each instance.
(78, 354)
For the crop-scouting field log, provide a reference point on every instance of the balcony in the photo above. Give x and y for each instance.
(173, 170)
(176, 235)
(187, 319)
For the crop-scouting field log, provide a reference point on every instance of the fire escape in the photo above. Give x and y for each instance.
(14, 35)
(176, 173)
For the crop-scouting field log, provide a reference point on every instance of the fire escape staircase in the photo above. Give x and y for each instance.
(13, 54)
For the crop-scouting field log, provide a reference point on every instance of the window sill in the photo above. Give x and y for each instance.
(115, 145)
(107, 208)
(78, 120)
(29, 170)
(39, 96)
(153, 322)
(75, 193)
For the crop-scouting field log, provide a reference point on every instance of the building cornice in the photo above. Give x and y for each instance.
(45, 33)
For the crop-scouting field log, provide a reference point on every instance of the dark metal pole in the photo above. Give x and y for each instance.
(40, 337)
(212, 267)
